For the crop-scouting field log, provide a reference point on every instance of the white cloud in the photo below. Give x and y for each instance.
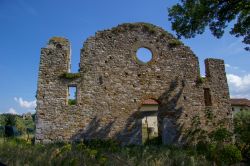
(234, 68)
(239, 85)
(31, 105)
(12, 111)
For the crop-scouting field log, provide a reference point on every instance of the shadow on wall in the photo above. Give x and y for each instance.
(168, 115)
(94, 130)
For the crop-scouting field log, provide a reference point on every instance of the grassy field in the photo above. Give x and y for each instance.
(20, 152)
(218, 150)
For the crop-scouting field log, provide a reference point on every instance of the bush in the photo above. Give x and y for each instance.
(242, 132)
(220, 150)
(221, 135)
(242, 126)
(221, 154)
(229, 154)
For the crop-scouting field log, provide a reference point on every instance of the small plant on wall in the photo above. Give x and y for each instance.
(200, 80)
(70, 75)
(72, 101)
(174, 43)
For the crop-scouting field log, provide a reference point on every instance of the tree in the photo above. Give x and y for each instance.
(242, 126)
(191, 17)
(9, 120)
(242, 131)
(2, 120)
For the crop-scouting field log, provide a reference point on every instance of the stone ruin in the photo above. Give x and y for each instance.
(112, 84)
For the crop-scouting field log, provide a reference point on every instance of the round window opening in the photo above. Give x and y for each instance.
(144, 55)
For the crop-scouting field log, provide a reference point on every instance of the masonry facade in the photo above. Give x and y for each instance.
(112, 85)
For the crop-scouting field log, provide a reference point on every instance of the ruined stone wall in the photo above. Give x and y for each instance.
(113, 83)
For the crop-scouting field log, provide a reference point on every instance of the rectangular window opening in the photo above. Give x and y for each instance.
(72, 95)
(207, 97)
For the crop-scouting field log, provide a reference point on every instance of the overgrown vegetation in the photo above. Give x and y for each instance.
(59, 39)
(96, 152)
(174, 43)
(218, 150)
(200, 80)
(242, 132)
(70, 75)
(209, 114)
(152, 29)
(9, 119)
(72, 102)
(11, 125)
(128, 26)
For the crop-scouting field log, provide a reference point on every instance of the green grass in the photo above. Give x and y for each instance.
(20, 152)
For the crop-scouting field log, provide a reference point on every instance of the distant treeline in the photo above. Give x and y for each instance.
(13, 125)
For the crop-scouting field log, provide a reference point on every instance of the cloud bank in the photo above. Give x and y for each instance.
(12, 111)
(30, 105)
(239, 85)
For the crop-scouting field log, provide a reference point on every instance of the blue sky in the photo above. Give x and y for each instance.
(27, 25)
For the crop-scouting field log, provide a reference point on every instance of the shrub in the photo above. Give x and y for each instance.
(242, 132)
(221, 135)
(229, 154)
(242, 126)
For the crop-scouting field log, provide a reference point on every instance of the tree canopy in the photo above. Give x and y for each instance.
(10, 119)
(191, 17)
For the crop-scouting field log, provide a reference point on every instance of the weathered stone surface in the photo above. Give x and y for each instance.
(113, 84)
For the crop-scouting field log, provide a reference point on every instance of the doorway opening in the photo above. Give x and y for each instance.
(149, 121)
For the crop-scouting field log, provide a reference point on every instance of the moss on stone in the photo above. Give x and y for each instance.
(174, 43)
(59, 40)
(146, 27)
(70, 75)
